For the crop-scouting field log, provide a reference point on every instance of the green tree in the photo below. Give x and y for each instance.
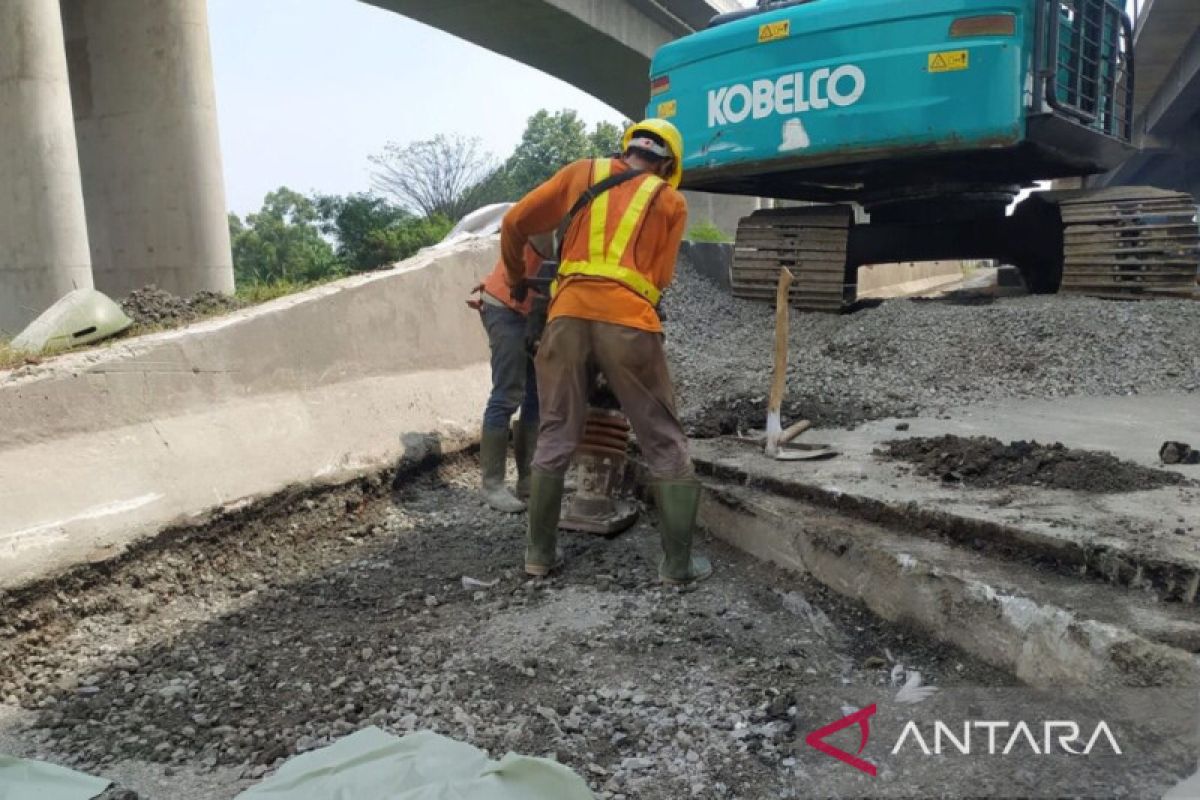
(497, 187)
(406, 237)
(606, 138)
(354, 222)
(281, 242)
(550, 142)
(371, 232)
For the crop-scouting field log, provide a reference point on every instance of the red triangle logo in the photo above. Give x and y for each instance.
(862, 718)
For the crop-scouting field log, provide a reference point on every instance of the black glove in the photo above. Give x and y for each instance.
(520, 291)
(535, 324)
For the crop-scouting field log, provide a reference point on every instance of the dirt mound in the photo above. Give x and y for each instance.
(153, 306)
(985, 462)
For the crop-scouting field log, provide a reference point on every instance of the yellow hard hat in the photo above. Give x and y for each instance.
(669, 134)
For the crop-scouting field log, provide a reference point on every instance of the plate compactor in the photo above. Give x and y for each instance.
(599, 503)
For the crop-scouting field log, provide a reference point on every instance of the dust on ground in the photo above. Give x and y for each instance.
(986, 462)
(151, 307)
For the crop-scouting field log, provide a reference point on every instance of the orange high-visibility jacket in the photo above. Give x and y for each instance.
(496, 283)
(615, 260)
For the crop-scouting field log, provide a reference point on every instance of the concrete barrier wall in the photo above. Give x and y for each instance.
(724, 211)
(100, 448)
(894, 280)
(711, 259)
(880, 281)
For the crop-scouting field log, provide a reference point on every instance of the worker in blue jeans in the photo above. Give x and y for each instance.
(514, 385)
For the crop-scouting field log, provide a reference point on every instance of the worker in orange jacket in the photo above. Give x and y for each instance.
(513, 382)
(617, 256)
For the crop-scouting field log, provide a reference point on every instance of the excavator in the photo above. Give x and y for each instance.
(907, 130)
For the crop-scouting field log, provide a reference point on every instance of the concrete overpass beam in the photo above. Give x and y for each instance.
(1177, 101)
(43, 231)
(146, 122)
(600, 46)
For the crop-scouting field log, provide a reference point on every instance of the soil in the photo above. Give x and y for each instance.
(225, 649)
(153, 307)
(195, 665)
(985, 462)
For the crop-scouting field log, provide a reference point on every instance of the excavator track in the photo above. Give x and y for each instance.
(809, 241)
(1131, 243)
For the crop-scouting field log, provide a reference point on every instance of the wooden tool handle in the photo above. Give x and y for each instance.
(794, 430)
(779, 380)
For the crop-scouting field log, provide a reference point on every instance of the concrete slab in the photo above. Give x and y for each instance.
(1149, 538)
(1047, 630)
(102, 448)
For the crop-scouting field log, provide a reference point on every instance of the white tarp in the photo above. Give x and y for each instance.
(21, 779)
(480, 222)
(374, 765)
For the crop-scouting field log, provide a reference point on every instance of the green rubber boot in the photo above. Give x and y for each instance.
(678, 502)
(493, 452)
(524, 444)
(545, 505)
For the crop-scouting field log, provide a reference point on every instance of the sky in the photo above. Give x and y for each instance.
(308, 89)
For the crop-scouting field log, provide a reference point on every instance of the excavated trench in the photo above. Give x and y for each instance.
(197, 663)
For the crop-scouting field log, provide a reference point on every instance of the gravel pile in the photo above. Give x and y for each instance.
(907, 358)
(152, 306)
(985, 462)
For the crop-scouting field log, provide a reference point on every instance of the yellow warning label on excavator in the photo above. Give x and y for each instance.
(774, 30)
(949, 61)
(667, 109)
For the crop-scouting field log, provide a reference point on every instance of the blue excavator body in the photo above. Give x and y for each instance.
(930, 116)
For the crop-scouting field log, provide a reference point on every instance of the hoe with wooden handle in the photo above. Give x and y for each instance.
(778, 437)
(779, 379)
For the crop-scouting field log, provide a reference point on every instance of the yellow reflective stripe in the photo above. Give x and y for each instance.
(599, 212)
(604, 262)
(627, 277)
(633, 214)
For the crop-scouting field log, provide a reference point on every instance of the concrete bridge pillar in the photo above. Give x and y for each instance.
(146, 123)
(43, 232)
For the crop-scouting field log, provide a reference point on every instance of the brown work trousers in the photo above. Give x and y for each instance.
(635, 365)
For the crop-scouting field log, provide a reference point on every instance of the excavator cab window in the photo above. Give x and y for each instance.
(1086, 63)
(762, 7)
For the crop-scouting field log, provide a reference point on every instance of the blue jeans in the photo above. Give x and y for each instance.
(514, 384)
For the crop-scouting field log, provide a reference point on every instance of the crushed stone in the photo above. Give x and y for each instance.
(154, 307)
(986, 462)
(258, 637)
(906, 358)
